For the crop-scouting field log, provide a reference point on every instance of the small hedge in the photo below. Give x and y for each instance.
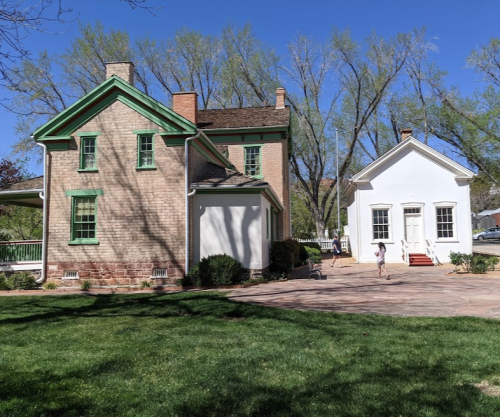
(18, 281)
(303, 254)
(314, 255)
(214, 270)
(476, 264)
(283, 255)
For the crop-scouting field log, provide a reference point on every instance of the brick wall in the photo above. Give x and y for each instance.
(140, 217)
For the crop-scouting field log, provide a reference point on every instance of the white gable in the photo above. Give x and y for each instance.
(408, 147)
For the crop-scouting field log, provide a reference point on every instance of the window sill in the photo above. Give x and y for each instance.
(70, 279)
(83, 242)
(88, 170)
(374, 242)
(446, 241)
(145, 168)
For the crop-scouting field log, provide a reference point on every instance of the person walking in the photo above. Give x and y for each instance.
(380, 254)
(337, 252)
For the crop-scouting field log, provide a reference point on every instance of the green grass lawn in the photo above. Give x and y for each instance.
(200, 354)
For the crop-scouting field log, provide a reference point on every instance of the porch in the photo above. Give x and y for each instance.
(20, 255)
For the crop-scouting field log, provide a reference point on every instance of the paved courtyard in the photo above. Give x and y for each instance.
(411, 291)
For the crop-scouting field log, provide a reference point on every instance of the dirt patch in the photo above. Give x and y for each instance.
(487, 389)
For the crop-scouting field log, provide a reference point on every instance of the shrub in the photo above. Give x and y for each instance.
(86, 285)
(145, 284)
(479, 264)
(314, 255)
(4, 283)
(303, 255)
(272, 276)
(22, 281)
(219, 270)
(50, 286)
(492, 261)
(282, 256)
(461, 259)
(192, 279)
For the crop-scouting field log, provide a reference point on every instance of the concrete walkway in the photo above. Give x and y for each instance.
(411, 291)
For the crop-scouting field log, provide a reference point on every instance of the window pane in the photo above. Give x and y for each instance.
(444, 222)
(84, 219)
(88, 153)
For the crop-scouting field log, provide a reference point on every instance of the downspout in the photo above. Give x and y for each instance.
(188, 194)
(44, 218)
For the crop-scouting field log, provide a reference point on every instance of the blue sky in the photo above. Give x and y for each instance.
(456, 27)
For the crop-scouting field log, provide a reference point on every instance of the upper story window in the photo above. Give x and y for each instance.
(146, 155)
(253, 161)
(88, 154)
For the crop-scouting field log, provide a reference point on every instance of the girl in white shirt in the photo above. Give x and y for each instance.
(380, 254)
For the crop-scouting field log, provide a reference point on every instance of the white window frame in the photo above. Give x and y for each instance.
(387, 207)
(453, 206)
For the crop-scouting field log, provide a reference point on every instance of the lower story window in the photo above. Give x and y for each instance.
(84, 216)
(444, 222)
(380, 224)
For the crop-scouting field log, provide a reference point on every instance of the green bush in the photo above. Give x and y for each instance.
(479, 264)
(492, 261)
(219, 270)
(461, 259)
(282, 256)
(192, 279)
(303, 252)
(296, 251)
(22, 281)
(145, 284)
(314, 255)
(86, 285)
(50, 286)
(4, 283)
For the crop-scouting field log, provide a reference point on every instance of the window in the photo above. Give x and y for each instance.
(253, 165)
(267, 223)
(88, 155)
(445, 223)
(380, 224)
(145, 152)
(412, 210)
(84, 216)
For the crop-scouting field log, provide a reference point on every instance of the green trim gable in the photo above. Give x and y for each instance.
(114, 88)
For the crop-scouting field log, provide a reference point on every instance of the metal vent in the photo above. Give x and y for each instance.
(70, 274)
(160, 273)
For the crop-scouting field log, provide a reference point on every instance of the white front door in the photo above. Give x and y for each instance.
(413, 232)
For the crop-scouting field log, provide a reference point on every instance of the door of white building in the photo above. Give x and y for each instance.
(413, 230)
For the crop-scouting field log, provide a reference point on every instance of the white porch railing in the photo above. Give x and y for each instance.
(406, 253)
(429, 251)
(327, 244)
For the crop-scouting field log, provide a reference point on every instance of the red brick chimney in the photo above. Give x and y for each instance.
(280, 98)
(405, 134)
(186, 104)
(124, 70)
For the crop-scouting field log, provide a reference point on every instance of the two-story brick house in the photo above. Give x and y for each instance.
(135, 190)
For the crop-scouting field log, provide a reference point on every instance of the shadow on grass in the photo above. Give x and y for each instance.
(414, 386)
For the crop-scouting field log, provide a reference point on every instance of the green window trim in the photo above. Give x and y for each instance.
(84, 220)
(88, 154)
(145, 151)
(253, 169)
(83, 194)
(145, 131)
(88, 134)
(267, 223)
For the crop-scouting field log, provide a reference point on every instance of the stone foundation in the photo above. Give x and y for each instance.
(106, 274)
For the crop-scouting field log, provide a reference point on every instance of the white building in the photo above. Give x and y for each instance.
(413, 199)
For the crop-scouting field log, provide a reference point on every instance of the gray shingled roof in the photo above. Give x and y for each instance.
(215, 175)
(31, 184)
(244, 117)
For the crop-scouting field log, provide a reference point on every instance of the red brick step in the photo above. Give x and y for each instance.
(420, 259)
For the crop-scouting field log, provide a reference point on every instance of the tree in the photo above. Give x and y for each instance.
(10, 173)
(21, 18)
